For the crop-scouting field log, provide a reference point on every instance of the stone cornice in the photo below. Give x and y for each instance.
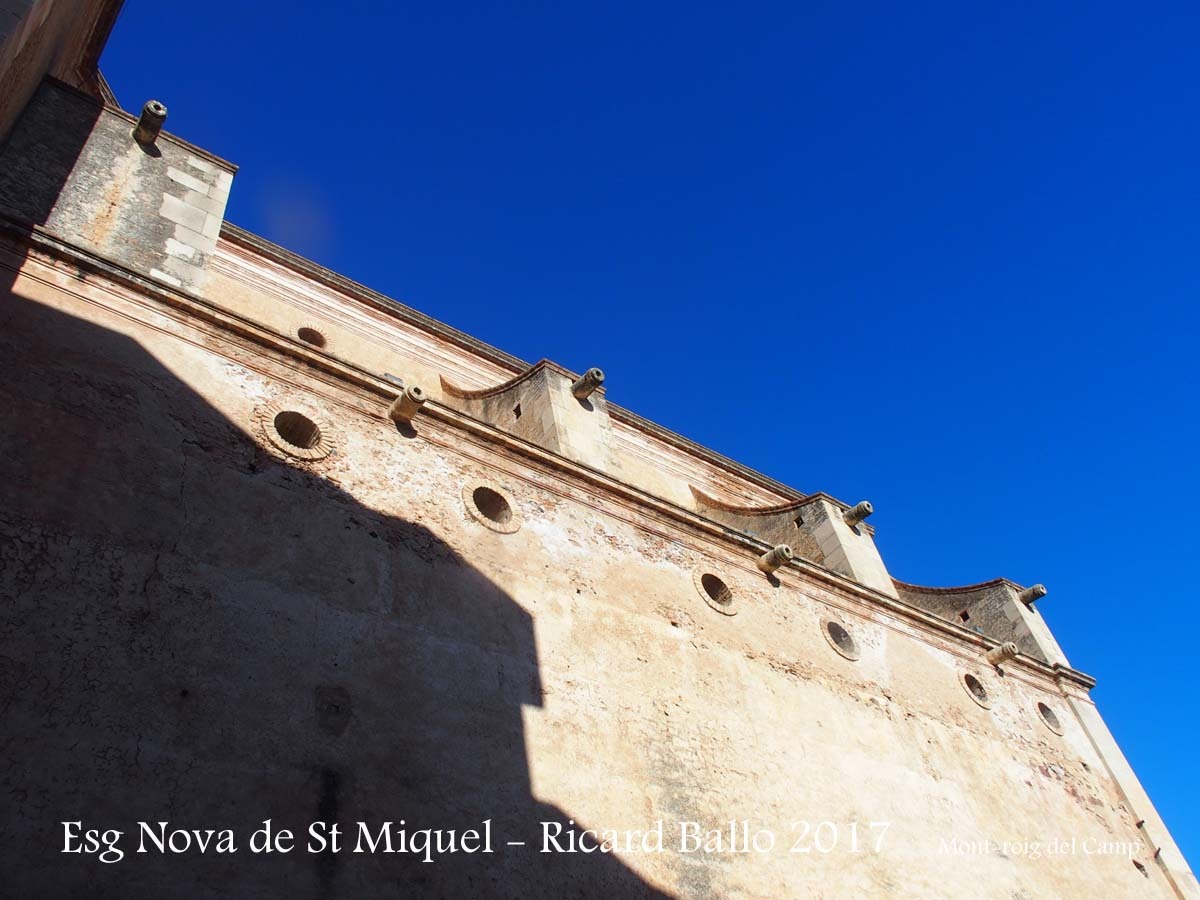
(376, 392)
(361, 293)
(309, 269)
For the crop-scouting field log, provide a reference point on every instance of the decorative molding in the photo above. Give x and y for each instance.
(699, 576)
(985, 700)
(340, 384)
(1049, 717)
(504, 525)
(265, 419)
(851, 652)
(301, 277)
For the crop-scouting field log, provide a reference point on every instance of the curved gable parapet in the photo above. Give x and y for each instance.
(999, 609)
(451, 390)
(706, 501)
(816, 527)
(905, 587)
(538, 406)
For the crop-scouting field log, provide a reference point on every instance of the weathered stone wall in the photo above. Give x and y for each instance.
(203, 626)
(73, 166)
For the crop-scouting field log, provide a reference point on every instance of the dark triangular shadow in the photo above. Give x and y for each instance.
(196, 631)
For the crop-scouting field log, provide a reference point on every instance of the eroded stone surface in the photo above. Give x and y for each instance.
(242, 580)
(201, 627)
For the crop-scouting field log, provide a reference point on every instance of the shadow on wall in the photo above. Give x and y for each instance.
(37, 161)
(195, 631)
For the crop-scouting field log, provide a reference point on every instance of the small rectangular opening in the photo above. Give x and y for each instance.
(798, 521)
(964, 617)
(517, 411)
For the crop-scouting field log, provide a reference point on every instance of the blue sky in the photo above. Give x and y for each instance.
(942, 257)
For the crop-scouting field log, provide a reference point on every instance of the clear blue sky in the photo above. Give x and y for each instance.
(941, 258)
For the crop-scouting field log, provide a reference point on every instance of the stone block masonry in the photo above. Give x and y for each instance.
(73, 166)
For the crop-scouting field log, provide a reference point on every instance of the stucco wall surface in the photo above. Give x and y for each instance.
(201, 628)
